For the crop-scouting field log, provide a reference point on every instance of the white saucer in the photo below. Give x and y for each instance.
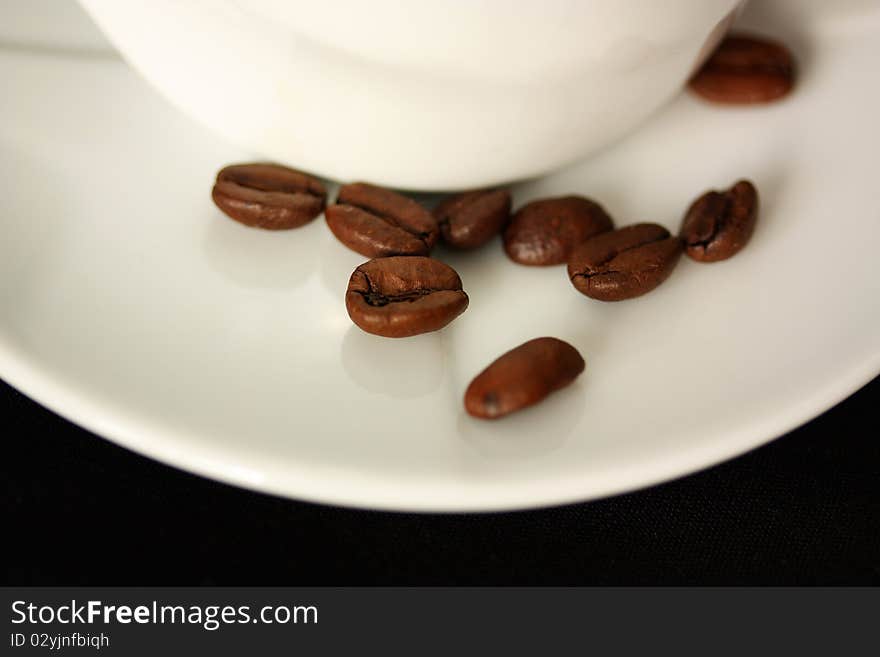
(131, 306)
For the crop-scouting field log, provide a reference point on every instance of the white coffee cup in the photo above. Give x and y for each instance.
(424, 94)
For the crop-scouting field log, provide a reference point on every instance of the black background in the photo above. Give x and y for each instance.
(803, 510)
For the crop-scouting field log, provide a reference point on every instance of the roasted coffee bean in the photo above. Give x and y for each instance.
(522, 377)
(268, 195)
(719, 224)
(745, 70)
(624, 263)
(545, 232)
(401, 296)
(377, 222)
(471, 219)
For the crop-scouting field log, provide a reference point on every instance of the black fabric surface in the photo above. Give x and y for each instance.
(803, 510)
